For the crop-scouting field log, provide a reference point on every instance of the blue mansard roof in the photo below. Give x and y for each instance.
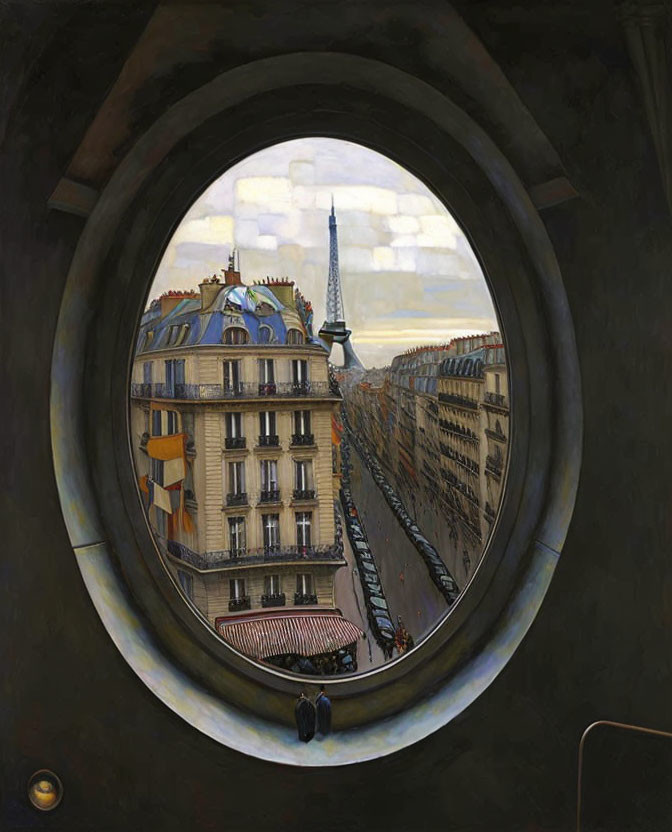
(255, 309)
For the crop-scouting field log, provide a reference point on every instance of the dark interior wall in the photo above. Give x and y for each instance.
(601, 645)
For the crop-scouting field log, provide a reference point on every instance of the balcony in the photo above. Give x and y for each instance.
(243, 390)
(270, 496)
(299, 439)
(276, 600)
(269, 441)
(303, 494)
(237, 604)
(227, 558)
(304, 599)
(493, 466)
(496, 400)
(235, 443)
(458, 401)
(239, 499)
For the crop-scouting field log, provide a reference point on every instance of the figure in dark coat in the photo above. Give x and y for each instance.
(304, 712)
(323, 708)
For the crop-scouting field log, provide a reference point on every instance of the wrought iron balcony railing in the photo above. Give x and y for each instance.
(236, 443)
(498, 399)
(271, 495)
(242, 603)
(494, 466)
(460, 401)
(239, 499)
(304, 598)
(243, 390)
(276, 600)
(303, 494)
(269, 441)
(303, 439)
(224, 558)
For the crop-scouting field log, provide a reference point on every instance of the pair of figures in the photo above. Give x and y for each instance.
(310, 716)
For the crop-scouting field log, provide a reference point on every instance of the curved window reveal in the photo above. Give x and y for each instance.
(322, 519)
(295, 336)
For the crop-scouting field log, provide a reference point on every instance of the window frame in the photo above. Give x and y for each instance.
(464, 167)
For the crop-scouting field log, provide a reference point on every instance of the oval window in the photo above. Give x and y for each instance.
(323, 497)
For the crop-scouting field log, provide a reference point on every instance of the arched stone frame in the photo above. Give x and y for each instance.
(221, 693)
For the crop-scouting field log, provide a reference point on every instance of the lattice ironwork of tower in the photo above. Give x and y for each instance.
(334, 329)
(334, 291)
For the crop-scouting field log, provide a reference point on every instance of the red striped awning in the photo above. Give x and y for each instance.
(277, 635)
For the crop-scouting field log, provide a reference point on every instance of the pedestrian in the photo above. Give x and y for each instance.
(323, 709)
(304, 712)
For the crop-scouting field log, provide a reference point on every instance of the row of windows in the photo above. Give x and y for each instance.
(267, 424)
(273, 585)
(233, 376)
(303, 477)
(233, 336)
(236, 335)
(270, 526)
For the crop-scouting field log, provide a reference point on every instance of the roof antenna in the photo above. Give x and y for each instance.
(332, 205)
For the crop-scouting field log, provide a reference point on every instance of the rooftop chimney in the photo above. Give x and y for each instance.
(210, 288)
(169, 300)
(232, 274)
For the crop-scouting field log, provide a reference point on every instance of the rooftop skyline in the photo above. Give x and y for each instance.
(408, 273)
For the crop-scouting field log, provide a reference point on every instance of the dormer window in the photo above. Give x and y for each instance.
(295, 337)
(236, 335)
(265, 335)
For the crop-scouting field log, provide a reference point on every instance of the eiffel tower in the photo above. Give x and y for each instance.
(333, 329)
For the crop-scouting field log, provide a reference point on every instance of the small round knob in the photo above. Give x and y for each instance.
(45, 790)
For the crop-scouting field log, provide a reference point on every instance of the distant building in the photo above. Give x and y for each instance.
(232, 434)
(438, 421)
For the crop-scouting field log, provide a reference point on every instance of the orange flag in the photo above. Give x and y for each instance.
(166, 447)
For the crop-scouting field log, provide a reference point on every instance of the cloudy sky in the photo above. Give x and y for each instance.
(409, 276)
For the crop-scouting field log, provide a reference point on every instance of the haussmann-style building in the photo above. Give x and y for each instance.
(438, 421)
(232, 407)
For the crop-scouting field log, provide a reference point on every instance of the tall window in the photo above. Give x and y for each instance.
(267, 428)
(186, 582)
(271, 532)
(272, 585)
(237, 589)
(232, 377)
(497, 383)
(237, 535)
(303, 479)
(175, 377)
(171, 422)
(156, 470)
(234, 425)
(303, 523)
(304, 583)
(295, 336)
(269, 479)
(165, 422)
(236, 478)
(302, 422)
(299, 372)
(266, 377)
(236, 335)
(147, 372)
(156, 423)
